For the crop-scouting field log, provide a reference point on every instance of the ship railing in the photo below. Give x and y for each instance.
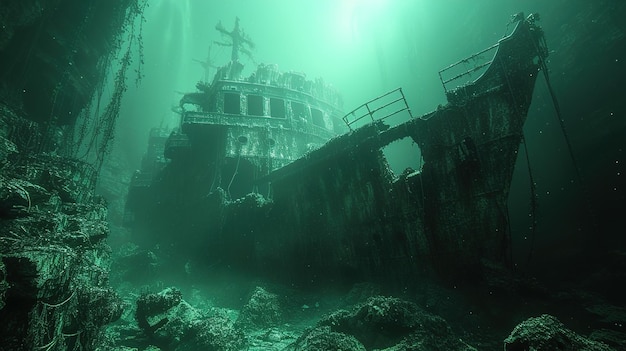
(469, 67)
(210, 118)
(379, 108)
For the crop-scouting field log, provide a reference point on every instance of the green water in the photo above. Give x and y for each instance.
(365, 48)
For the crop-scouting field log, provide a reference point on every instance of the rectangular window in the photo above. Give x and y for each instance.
(255, 105)
(277, 108)
(213, 103)
(299, 110)
(318, 118)
(232, 103)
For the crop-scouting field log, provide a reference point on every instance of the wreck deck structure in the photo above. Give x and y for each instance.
(246, 127)
(337, 213)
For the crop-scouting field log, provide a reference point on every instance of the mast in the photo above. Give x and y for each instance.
(207, 64)
(238, 40)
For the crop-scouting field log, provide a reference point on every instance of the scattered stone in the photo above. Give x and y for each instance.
(610, 337)
(216, 333)
(388, 322)
(324, 338)
(172, 324)
(262, 310)
(180, 320)
(424, 341)
(152, 309)
(274, 335)
(546, 333)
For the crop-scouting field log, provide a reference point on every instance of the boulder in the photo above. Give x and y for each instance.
(262, 310)
(171, 323)
(388, 322)
(323, 338)
(546, 333)
(153, 309)
(217, 333)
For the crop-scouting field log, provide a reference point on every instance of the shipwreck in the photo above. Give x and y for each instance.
(266, 175)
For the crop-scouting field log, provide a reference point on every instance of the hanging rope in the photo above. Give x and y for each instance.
(557, 108)
(421, 167)
(234, 174)
(216, 171)
(559, 116)
(541, 54)
(533, 203)
(533, 186)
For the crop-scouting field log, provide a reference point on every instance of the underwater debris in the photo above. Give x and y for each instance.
(171, 323)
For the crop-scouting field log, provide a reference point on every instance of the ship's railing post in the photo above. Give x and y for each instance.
(369, 112)
(379, 108)
(406, 104)
(445, 88)
(476, 66)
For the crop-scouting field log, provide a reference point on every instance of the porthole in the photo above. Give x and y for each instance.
(242, 139)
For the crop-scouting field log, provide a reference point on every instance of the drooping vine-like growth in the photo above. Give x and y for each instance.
(94, 131)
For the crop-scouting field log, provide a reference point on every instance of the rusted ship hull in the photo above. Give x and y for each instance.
(338, 213)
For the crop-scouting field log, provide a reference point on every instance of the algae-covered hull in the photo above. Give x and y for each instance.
(338, 212)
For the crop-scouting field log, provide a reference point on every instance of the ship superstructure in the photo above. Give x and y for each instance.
(243, 128)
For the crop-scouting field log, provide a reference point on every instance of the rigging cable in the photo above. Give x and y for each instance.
(533, 200)
(541, 50)
(234, 174)
(557, 108)
(533, 203)
(216, 172)
(559, 116)
(421, 165)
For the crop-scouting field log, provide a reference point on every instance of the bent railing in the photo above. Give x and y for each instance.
(379, 108)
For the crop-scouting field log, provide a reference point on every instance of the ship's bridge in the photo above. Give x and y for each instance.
(286, 100)
(248, 127)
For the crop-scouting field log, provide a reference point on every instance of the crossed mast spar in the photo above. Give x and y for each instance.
(238, 40)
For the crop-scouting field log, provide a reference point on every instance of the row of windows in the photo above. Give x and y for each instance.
(232, 105)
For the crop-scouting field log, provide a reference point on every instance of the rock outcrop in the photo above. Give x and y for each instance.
(546, 333)
(171, 323)
(55, 291)
(384, 323)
